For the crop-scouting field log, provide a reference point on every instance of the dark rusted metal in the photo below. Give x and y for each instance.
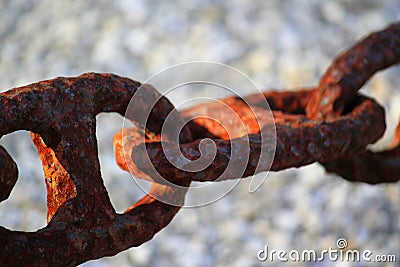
(330, 125)
(348, 72)
(335, 119)
(8, 174)
(338, 88)
(370, 167)
(82, 225)
(300, 141)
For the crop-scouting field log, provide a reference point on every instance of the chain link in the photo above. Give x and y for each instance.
(330, 124)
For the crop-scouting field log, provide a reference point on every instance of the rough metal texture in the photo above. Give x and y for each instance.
(370, 167)
(300, 141)
(8, 174)
(348, 72)
(82, 224)
(330, 125)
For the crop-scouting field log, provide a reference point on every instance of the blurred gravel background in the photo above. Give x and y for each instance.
(278, 44)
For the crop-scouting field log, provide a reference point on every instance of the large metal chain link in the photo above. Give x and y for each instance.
(331, 124)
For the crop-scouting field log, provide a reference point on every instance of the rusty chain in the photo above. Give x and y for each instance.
(330, 124)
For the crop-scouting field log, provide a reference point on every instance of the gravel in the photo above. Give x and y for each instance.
(278, 44)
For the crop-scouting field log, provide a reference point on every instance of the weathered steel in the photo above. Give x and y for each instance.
(300, 141)
(82, 223)
(370, 167)
(349, 71)
(331, 125)
(8, 174)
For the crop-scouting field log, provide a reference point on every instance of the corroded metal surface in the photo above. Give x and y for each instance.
(8, 174)
(300, 141)
(370, 167)
(349, 71)
(330, 125)
(82, 223)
